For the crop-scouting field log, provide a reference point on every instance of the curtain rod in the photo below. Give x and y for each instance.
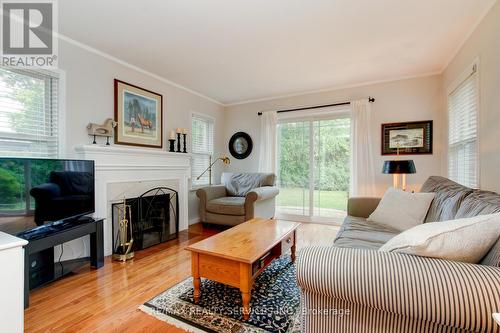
(370, 99)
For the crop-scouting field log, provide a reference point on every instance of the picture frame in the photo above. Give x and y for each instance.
(139, 115)
(240, 145)
(410, 138)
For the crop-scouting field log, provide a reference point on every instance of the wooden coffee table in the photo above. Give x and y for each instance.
(238, 255)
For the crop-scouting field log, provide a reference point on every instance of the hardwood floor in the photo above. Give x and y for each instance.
(107, 300)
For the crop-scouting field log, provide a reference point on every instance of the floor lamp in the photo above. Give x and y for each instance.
(399, 169)
(224, 160)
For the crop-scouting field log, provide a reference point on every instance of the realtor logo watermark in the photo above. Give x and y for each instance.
(28, 35)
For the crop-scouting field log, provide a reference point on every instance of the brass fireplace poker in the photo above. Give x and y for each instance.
(124, 250)
(224, 160)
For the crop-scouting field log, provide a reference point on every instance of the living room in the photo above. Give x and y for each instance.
(181, 166)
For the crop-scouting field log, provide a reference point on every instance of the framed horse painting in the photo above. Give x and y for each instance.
(139, 114)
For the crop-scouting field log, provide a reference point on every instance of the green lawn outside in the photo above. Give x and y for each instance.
(327, 199)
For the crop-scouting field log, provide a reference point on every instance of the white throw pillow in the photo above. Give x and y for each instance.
(401, 210)
(466, 240)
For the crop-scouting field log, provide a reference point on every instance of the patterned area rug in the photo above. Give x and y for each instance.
(274, 304)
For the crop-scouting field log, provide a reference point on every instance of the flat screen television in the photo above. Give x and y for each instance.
(38, 192)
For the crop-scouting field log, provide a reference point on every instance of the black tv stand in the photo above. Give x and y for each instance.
(41, 249)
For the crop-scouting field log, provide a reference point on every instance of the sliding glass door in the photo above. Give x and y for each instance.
(313, 168)
(294, 169)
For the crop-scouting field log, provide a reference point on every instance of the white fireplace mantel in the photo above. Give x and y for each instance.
(115, 165)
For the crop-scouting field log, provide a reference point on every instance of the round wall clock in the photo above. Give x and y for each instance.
(240, 145)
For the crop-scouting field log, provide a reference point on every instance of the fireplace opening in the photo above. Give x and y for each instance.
(152, 217)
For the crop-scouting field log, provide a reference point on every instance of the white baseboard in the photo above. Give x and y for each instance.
(194, 221)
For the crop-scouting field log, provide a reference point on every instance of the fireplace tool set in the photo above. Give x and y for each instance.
(124, 250)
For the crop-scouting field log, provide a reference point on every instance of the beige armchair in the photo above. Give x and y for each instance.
(240, 197)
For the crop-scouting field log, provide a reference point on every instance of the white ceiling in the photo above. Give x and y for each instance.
(236, 50)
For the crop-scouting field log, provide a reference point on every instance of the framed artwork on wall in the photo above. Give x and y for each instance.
(139, 114)
(410, 138)
(240, 145)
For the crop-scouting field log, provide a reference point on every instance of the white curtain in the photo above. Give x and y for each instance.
(268, 141)
(362, 170)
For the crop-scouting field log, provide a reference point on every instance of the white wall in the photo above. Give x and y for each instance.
(89, 97)
(484, 43)
(88, 93)
(398, 101)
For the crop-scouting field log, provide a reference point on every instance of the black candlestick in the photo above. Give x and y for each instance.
(184, 136)
(178, 142)
(172, 145)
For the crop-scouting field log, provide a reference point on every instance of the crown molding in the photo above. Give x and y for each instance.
(467, 36)
(255, 100)
(335, 88)
(135, 68)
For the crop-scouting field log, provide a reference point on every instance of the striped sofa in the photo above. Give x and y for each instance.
(351, 287)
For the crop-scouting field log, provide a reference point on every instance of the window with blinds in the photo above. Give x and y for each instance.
(28, 113)
(202, 147)
(463, 106)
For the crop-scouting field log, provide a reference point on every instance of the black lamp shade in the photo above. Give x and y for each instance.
(402, 167)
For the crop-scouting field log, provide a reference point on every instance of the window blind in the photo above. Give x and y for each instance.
(202, 141)
(28, 113)
(463, 105)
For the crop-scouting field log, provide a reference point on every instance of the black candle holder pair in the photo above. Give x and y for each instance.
(172, 144)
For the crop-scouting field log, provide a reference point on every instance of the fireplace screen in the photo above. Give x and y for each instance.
(153, 216)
